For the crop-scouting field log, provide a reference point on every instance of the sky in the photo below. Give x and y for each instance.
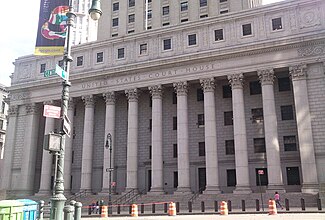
(19, 33)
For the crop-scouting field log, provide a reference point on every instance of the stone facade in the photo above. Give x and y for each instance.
(206, 116)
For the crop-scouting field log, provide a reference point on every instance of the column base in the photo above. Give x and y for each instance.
(310, 188)
(212, 190)
(183, 190)
(275, 188)
(156, 191)
(242, 190)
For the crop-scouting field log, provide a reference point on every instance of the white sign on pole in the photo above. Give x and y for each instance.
(52, 111)
(63, 74)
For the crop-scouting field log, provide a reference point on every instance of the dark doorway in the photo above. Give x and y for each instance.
(149, 180)
(202, 179)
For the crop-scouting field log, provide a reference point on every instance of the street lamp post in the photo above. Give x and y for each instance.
(58, 199)
(108, 146)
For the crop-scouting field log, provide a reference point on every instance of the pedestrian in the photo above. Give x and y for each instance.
(97, 207)
(277, 200)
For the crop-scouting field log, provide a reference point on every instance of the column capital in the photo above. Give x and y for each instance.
(156, 91)
(48, 102)
(266, 76)
(32, 109)
(89, 100)
(236, 80)
(181, 88)
(109, 98)
(208, 84)
(298, 72)
(132, 94)
(13, 110)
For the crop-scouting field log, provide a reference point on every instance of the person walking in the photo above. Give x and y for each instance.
(277, 200)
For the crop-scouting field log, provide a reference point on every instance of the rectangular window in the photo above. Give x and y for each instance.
(114, 35)
(143, 49)
(224, 12)
(201, 149)
(203, 3)
(175, 179)
(289, 143)
(276, 24)
(149, 14)
(131, 18)
(259, 145)
(120, 53)
(228, 118)
(184, 6)
(167, 44)
(131, 3)
(150, 152)
(226, 91)
(100, 57)
(115, 22)
(174, 150)
(80, 61)
(293, 176)
(231, 177)
(116, 6)
(130, 31)
(192, 39)
(257, 115)
(284, 84)
(1, 124)
(165, 10)
(166, 24)
(230, 147)
(221, 1)
(174, 98)
(200, 120)
(184, 20)
(174, 123)
(204, 16)
(286, 112)
(255, 88)
(43, 68)
(199, 95)
(218, 34)
(247, 29)
(261, 177)
(3, 106)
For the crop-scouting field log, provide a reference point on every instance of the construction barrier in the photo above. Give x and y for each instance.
(134, 210)
(272, 207)
(172, 209)
(223, 208)
(104, 213)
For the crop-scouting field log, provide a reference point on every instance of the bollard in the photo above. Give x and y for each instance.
(257, 205)
(202, 206)
(303, 206)
(130, 209)
(229, 205)
(89, 210)
(165, 207)
(272, 207)
(223, 208)
(68, 212)
(243, 206)
(172, 209)
(286, 203)
(77, 210)
(153, 208)
(134, 211)
(189, 205)
(177, 207)
(142, 208)
(319, 204)
(216, 206)
(118, 209)
(71, 203)
(41, 210)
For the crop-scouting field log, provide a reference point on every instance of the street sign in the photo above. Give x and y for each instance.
(66, 125)
(48, 73)
(260, 172)
(63, 74)
(52, 111)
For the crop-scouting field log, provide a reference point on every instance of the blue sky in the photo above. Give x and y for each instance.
(19, 30)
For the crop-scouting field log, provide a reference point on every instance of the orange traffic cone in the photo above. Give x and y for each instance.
(104, 212)
(172, 209)
(134, 210)
(223, 208)
(272, 207)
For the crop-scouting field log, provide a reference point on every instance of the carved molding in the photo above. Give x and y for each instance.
(156, 91)
(132, 95)
(309, 17)
(109, 98)
(266, 76)
(313, 50)
(89, 100)
(208, 84)
(298, 72)
(181, 88)
(236, 80)
(13, 110)
(32, 109)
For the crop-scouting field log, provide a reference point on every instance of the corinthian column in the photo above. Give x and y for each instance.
(210, 136)
(27, 175)
(157, 141)
(305, 134)
(241, 152)
(9, 148)
(109, 128)
(46, 172)
(132, 141)
(266, 77)
(88, 140)
(183, 161)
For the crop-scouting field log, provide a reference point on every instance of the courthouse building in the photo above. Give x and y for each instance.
(212, 95)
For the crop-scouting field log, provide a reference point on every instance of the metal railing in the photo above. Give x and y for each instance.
(196, 194)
